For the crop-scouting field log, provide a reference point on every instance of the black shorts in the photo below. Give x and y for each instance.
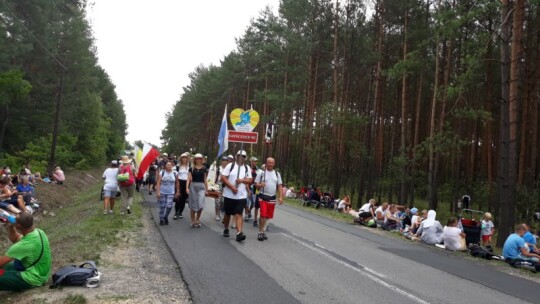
(234, 206)
(364, 215)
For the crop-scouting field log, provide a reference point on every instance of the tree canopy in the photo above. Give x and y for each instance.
(48, 66)
(400, 99)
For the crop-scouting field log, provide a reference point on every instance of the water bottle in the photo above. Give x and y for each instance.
(10, 218)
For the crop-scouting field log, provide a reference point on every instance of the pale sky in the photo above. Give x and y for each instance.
(148, 48)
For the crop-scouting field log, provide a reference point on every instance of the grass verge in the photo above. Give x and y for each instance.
(340, 217)
(80, 231)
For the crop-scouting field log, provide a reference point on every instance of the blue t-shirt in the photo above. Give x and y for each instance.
(529, 238)
(512, 246)
(22, 188)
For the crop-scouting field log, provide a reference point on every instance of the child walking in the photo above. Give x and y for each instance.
(487, 229)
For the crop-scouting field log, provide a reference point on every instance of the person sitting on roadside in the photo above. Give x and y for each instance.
(430, 231)
(25, 190)
(27, 263)
(9, 200)
(391, 222)
(367, 211)
(58, 176)
(454, 238)
(417, 221)
(380, 213)
(405, 216)
(344, 204)
(290, 193)
(530, 239)
(515, 248)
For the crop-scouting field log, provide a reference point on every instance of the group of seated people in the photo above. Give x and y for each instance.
(17, 192)
(55, 177)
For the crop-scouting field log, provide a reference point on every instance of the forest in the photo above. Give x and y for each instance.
(398, 100)
(57, 105)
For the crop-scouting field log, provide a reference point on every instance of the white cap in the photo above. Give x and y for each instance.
(241, 152)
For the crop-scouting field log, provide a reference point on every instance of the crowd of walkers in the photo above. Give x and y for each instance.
(241, 192)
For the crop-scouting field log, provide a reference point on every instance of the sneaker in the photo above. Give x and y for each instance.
(166, 221)
(249, 215)
(226, 232)
(105, 212)
(128, 211)
(255, 224)
(110, 211)
(180, 216)
(217, 218)
(175, 217)
(161, 222)
(264, 236)
(150, 193)
(260, 237)
(240, 237)
(233, 226)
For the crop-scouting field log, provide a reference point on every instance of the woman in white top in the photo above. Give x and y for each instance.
(454, 238)
(180, 201)
(110, 188)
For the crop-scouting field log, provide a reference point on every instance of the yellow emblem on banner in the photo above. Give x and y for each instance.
(244, 121)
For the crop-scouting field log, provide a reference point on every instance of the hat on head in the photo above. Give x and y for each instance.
(230, 157)
(414, 211)
(125, 160)
(225, 158)
(114, 162)
(241, 152)
(185, 154)
(253, 158)
(165, 154)
(198, 155)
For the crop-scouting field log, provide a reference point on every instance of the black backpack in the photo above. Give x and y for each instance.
(77, 276)
(480, 252)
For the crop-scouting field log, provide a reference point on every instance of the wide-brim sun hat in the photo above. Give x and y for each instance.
(185, 154)
(198, 155)
(253, 158)
(125, 160)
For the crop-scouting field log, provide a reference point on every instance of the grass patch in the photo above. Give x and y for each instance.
(80, 231)
(75, 299)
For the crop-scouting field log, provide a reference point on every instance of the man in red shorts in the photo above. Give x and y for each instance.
(269, 184)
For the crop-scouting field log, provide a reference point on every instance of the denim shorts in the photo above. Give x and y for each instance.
(109, 193)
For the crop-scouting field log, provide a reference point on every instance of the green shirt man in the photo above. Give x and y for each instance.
(27, 263)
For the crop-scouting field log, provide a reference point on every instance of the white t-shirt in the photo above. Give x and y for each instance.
(289, 193)
(452, 238)
(414, 219)
(341, 204)
(381, 212)
(271, 179)
(111, 183)
(238, 172)
(183, 172)
(365, 207)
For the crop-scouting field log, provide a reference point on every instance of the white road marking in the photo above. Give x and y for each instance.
(370, 274)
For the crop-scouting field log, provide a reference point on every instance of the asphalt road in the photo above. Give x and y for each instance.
(311, 259)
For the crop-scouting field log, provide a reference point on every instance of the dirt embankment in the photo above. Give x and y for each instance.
(138, 269)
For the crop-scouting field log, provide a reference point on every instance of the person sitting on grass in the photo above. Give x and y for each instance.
(430, 231)
(344, 204)
(367, 211)
(25, 190)
(9, 200)
(515, 248)
(530, 239)
(27, 263)
(391, 222)
(290, 193)
(380, 213)
(454, 238)
(417, 221)
(58, 176)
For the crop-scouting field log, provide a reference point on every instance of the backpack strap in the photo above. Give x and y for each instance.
(41, 253)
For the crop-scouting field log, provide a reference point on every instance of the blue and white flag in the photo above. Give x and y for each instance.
(223, 139)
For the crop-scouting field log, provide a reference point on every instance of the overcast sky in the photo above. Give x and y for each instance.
(149, 47)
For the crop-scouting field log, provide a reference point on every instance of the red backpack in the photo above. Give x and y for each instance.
(131, 180)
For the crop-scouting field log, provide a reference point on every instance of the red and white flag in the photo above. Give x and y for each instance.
(149, 154)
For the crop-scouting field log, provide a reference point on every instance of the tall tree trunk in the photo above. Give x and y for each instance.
(404, 118)
(5, 123)
(432, 176)
(52, 156)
